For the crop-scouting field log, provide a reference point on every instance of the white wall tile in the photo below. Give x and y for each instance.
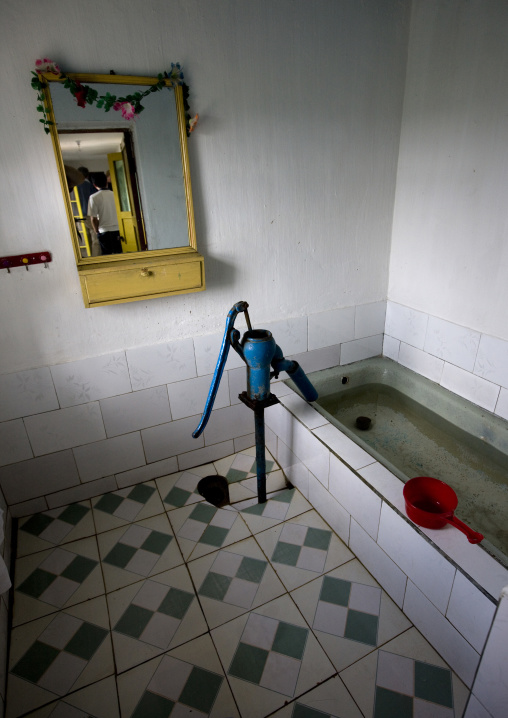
(82, 492)
(228, 423)
(137, 410)
(502, 404)
(161, 442)
(357, 498)
(289, 334)
(311, 451)
(421, 362)
(14, 444)
(331, 328)
(205, 455)
(111, 456)
(36, 477)
(469, 386)
(361, 349)
(343, 446)
(25, 393)
(416, 557)
(470, 611)
(281, 422)
(303, 411)
(391, 347)
(474, 709)
(237, 381)
(65, 428)
(451, 342)
(294, 469)
(447, 641)
(375, 560)
(248, 440)
(370, 319)
(491, 684)
(279, 388)
(188, 398)
(472, 558)
(492, 360)
(207, 349)
(318, 359)
(329, 508)
(147, 473)
(408, 325)
(27, 508)
(90, 379)
(388, 485)
(161, 364)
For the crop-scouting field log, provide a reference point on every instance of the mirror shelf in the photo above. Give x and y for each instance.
(150, 178)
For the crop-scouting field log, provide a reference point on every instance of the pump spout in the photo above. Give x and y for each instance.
(295, 372)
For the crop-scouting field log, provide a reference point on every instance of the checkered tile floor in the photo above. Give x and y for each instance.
(149, 602)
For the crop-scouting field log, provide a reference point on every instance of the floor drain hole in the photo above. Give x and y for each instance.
(363, 423)
(215, 490)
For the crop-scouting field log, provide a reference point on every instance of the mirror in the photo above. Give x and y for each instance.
(145, 160)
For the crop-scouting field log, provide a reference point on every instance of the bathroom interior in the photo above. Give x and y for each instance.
(347, 169)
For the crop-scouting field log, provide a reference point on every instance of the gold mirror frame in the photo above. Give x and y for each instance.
(132, 276)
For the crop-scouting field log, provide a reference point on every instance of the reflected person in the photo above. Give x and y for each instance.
(85, 191)
(102, 212)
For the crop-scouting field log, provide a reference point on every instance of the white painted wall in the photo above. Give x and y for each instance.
(449, 249)
(293, 165)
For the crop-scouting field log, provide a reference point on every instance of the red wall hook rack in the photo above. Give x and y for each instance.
(24, 260)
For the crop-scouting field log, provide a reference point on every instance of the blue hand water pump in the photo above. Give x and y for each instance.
(260, 353)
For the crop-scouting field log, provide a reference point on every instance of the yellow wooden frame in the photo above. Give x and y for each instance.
(87, 266)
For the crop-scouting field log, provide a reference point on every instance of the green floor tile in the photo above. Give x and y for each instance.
(120, 555)
(290, 640)
(153, 706)
(109, 503)
(361, 627)
(392, 705)
(335, 590)
(36, 583)
(215, 586)
(285, 497)
(86, 641)
(35, 662)
(248, 663)
(73, 514)
(235, 475)
(301, 711)
(251, 569)
(141, 493)
(177, 497)
(256, 509)
(201, 689)
(134, 621)
(286, 553)
(157, 542)
(36, 524)
(176, 603)
(433, 683)
(79, 568)
(214, 535)
(318, 538)
(203, 512)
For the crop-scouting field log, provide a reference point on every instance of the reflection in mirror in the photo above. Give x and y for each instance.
(146, 163)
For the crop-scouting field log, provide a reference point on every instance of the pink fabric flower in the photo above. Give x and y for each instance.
(47, 65)
(127, 110)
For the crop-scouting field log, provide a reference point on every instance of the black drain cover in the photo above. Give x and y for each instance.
(363, 423)
(215, 490)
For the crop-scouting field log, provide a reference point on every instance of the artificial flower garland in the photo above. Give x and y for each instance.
(130, 106)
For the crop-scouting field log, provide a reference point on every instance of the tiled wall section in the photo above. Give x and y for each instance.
(362, 501)
(471, 364)
(76, 430)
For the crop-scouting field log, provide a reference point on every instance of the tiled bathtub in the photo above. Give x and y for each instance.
(447, 587)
